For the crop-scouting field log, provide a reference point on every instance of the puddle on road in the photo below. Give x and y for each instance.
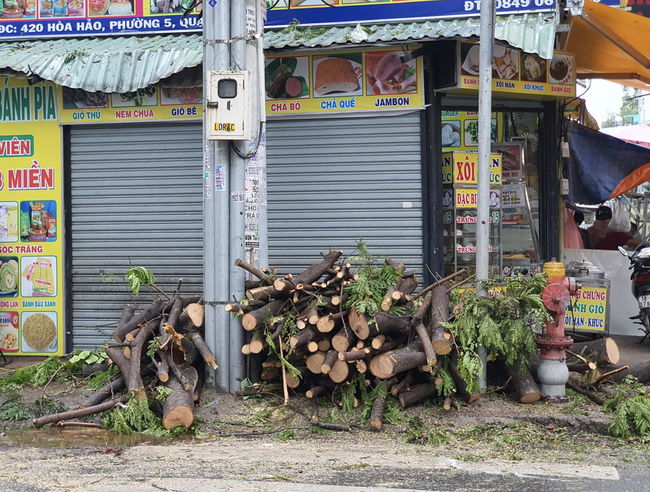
(74, 438)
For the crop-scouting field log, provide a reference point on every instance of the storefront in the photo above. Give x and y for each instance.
(348, 157)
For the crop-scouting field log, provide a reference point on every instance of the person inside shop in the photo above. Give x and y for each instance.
(599, 229)
(602, 237)
(579, 218)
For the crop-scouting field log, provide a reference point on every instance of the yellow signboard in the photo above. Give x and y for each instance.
(461, 168)
(372, 80)
(150, 104)
(516, 72)
(589, 312)
(31, 214)
(468, 198)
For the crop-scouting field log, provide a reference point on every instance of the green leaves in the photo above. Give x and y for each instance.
(501, 322)
(629, 414)
(81, 357)
(138, 276)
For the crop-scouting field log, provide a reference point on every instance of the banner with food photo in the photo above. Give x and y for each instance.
(460, 130)
(31, 208)
(372, 80)
(148, 104)
(516, 72)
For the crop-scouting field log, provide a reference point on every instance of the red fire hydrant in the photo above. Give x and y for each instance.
(552, 371)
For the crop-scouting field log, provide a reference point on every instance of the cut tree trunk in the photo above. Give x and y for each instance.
(191, 319)
(603, 351)
(327, 323)
(80, 412)
(153, 311)
(302, 338)
(315, 362)
(255, 319)
(385, 366)
(328, 362)
(179, 406)
(127, 313)
(317, 270)
(524, 384)
(257, 343)
(107, 391)
(640, 370)
(162, 366)
(377, 412)
(416, 394)
(342, 341)
(383, 324)
(203, 349)
(340, 371)
(426, 344)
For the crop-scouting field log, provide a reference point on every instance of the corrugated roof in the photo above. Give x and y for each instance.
(122, 64)
(533, 33)
(117, 64)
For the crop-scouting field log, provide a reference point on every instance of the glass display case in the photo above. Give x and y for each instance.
(460, 224)
(519, 242)
(459, 201)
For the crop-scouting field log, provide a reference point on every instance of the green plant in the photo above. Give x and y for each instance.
(103, 378)
(629, 413)
(136, 416)
(82, 357)
(37, 375)
(501, 322)
(368, 291)
(15, 409)
(138, 276)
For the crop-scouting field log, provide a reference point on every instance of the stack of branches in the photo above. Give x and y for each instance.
(317, 331)
(596, 362)
(162, 345)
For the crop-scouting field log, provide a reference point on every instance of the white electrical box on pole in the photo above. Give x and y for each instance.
(228, 106)
(484, 149)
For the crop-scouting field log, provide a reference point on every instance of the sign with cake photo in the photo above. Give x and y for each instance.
(338, 75)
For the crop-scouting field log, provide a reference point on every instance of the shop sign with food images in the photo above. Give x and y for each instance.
(150, 104)
(373, 80)
(516, 72)
(459, 130)
(462, 168)
(33, 19)
(310, 12)
(589, 313)
(31, 207)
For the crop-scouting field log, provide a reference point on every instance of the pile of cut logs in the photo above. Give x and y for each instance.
(178, 364)
(328, 343)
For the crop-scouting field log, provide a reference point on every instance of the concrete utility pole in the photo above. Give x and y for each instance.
(238, 200)
(216, 203)
(232, 37)
(484, 162)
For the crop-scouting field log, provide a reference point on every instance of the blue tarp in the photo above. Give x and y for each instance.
(602, 167)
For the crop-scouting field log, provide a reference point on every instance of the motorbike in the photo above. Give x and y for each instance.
(640, 266)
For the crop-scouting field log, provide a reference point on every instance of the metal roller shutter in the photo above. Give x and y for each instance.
(333, 180)
(136, 198)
